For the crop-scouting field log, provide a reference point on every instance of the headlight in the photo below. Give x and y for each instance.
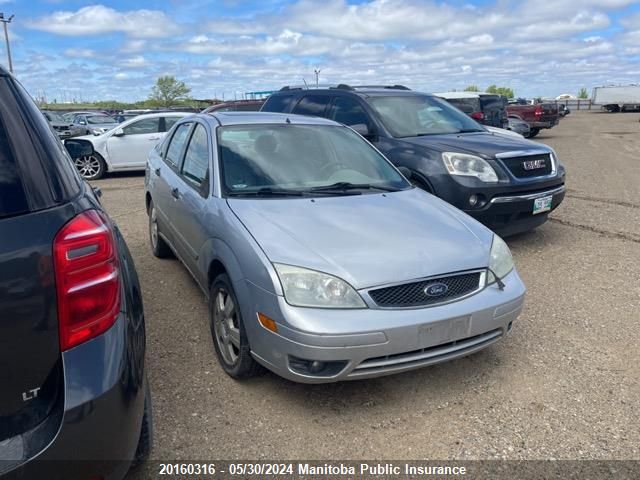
(501, 262)
(469, 166)
(308, 288)
(96, 131)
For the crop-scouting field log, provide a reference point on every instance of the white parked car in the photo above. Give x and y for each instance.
(125, 147)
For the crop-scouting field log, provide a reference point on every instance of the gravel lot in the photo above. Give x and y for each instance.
(564, 384)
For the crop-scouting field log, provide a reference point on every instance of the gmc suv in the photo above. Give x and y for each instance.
(74, 401)
(508, 183)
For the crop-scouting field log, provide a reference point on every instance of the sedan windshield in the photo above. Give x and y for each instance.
(96, 119)
(417, 115)
(294, 160)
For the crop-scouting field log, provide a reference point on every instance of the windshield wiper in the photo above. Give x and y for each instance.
(471, 130)
(267, 192)
(346, 186)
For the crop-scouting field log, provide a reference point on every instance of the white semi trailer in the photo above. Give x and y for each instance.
(617, 99)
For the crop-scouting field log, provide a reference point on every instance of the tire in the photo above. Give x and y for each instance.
(228, 332)
(159, 247)
(145, 442)
(533, 132)
(91, 167)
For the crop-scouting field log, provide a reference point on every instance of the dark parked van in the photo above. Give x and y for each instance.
(508, 183)
(485, 108)
(74, 402)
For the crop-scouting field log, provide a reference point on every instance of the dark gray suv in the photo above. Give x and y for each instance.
(510, 184)
(74, 401)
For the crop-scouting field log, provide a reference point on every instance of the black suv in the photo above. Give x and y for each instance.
(74, 401)
(508, 183)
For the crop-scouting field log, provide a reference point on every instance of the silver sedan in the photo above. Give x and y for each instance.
(319, 259)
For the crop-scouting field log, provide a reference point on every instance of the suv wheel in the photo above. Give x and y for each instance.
(90, 167)
(145, 442)
(159, 247)
(228, 332)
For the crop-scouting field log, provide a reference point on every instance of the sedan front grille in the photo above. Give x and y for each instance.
(427, 292)
(530, 165)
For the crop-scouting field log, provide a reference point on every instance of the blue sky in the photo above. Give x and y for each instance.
(73, 49)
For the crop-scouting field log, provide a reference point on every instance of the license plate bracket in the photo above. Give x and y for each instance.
(542, 204)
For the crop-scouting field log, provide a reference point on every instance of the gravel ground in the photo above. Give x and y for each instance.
(563, 385)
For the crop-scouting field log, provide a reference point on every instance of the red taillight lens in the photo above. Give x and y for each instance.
(538, 111)
(477, 116)
(87, 278)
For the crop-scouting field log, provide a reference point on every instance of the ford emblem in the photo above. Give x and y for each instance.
(435, 290)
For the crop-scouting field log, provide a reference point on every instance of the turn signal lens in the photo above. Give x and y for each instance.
(267, 322)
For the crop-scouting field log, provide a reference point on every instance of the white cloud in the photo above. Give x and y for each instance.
(80, 53)
(98, 20)
(135, 62)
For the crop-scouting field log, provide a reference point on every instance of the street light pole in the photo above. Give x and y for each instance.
(317, 72)
(5, 21)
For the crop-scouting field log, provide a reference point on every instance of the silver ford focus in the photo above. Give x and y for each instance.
(319, 259)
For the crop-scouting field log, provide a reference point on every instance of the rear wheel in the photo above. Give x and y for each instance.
(145, 442)
(228, 332)
(91, 167)
(159, 247)
(533, 132)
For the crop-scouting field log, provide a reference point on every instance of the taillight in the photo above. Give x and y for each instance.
(87, 278)
(538, 112)
(477, 116)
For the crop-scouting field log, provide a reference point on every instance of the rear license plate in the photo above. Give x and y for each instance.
(542, 204)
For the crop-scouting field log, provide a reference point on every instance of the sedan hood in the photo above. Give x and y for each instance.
(368, 239)
(487, 144)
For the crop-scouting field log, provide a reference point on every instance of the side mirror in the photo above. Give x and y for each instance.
(79, 148)
(119, 132)
(362, 129)
(406, 172)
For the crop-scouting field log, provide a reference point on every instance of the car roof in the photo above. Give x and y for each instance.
(463, 94)
(360, 90)
(256, 118)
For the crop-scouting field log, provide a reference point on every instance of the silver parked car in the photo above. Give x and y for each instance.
(319, 259)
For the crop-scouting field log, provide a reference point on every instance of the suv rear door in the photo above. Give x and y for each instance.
(33, 208)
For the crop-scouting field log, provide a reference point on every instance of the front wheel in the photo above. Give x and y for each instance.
(533, 132)
(228, 332)
(91, 167)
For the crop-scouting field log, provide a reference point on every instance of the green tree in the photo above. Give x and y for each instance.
(167, 90)
(505, 91)
(583, 93)
(472, 88)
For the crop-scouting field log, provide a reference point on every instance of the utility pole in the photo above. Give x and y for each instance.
(317, 72)
(5, 21)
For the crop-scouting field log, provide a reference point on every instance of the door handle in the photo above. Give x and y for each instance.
(157, 171)
(175, 193)
(154, 138)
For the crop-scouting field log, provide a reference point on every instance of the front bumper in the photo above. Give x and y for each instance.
(376, 342)
(511, 214)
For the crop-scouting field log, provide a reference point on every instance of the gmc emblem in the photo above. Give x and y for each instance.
(533, 164)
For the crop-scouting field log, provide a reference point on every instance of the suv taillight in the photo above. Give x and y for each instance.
(538, 112)
(477, 116)
(87, 278)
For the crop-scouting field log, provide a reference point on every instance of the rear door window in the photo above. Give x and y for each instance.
(348, 111)
(13, 199)
(312, 105)
(196, 158)
(176, 145)
(278, 103)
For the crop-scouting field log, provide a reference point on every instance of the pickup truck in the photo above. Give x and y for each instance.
(538, 116)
